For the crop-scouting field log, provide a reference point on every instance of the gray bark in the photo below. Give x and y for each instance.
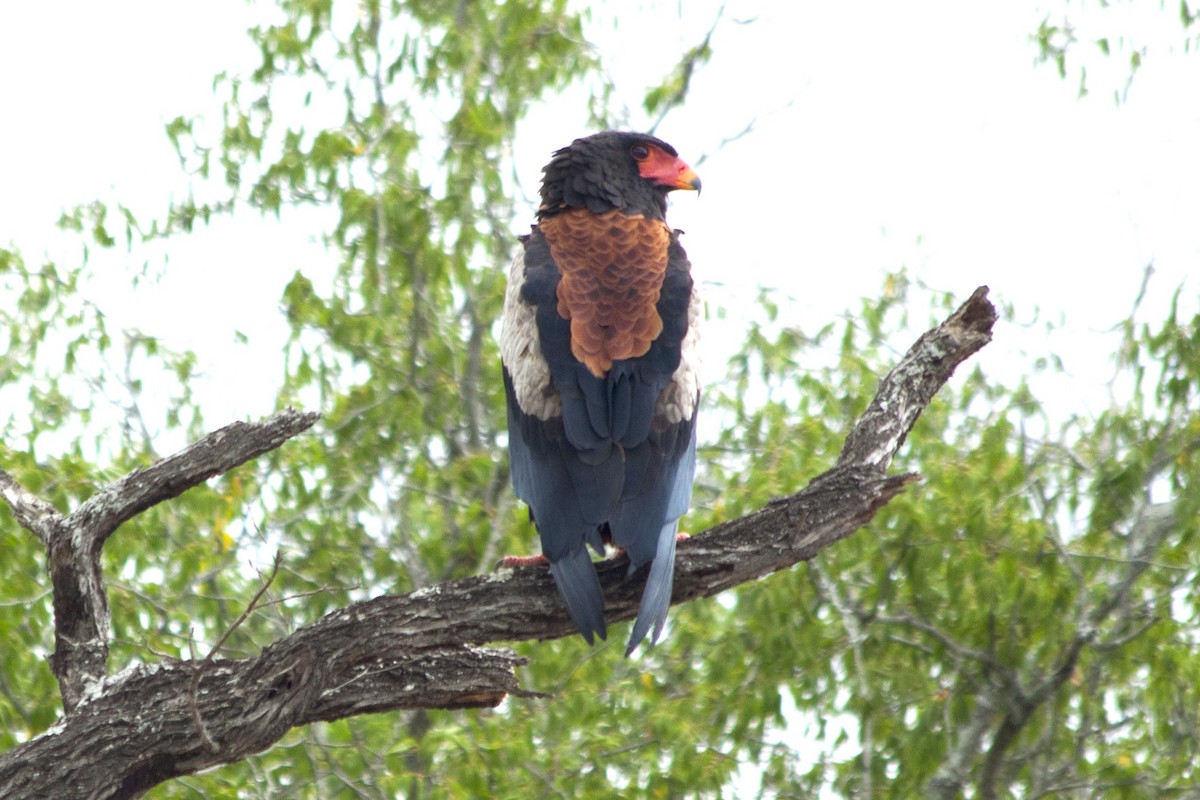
(123, 734)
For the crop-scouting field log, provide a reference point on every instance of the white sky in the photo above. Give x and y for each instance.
(887, 134)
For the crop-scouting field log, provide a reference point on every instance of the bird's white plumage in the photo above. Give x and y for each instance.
(522, 354)
(678, 401)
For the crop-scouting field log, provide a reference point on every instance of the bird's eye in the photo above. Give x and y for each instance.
(640, 152)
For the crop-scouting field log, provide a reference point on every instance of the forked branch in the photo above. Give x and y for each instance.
(73, 542)
(420, 650)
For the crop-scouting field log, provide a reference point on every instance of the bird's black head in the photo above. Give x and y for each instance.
(615, 169)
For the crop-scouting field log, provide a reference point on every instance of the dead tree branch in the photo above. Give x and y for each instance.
(126, 733)
(73, 542)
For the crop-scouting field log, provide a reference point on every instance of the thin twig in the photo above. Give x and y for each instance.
(203, 665)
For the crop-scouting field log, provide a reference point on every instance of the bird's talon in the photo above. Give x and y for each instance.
(509, 562)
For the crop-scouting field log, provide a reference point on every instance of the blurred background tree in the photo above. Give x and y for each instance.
(1022, 623)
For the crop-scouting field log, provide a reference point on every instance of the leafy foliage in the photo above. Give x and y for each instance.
(1114, 40)
(1020, 624)
(1002, 625)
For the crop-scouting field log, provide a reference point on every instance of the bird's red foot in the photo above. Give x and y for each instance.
(679, 537)
(524, 561)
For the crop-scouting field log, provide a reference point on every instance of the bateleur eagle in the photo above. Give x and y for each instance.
(599, 354)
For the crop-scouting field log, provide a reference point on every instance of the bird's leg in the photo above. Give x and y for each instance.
(539, 560)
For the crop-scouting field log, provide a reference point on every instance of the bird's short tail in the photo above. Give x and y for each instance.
(656, 598)
(579, 586)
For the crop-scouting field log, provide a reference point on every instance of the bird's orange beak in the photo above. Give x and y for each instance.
(688, 179)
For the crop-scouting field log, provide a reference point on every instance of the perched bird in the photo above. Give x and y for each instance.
(599, 353)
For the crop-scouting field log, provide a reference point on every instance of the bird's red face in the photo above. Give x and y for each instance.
(656, 164)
